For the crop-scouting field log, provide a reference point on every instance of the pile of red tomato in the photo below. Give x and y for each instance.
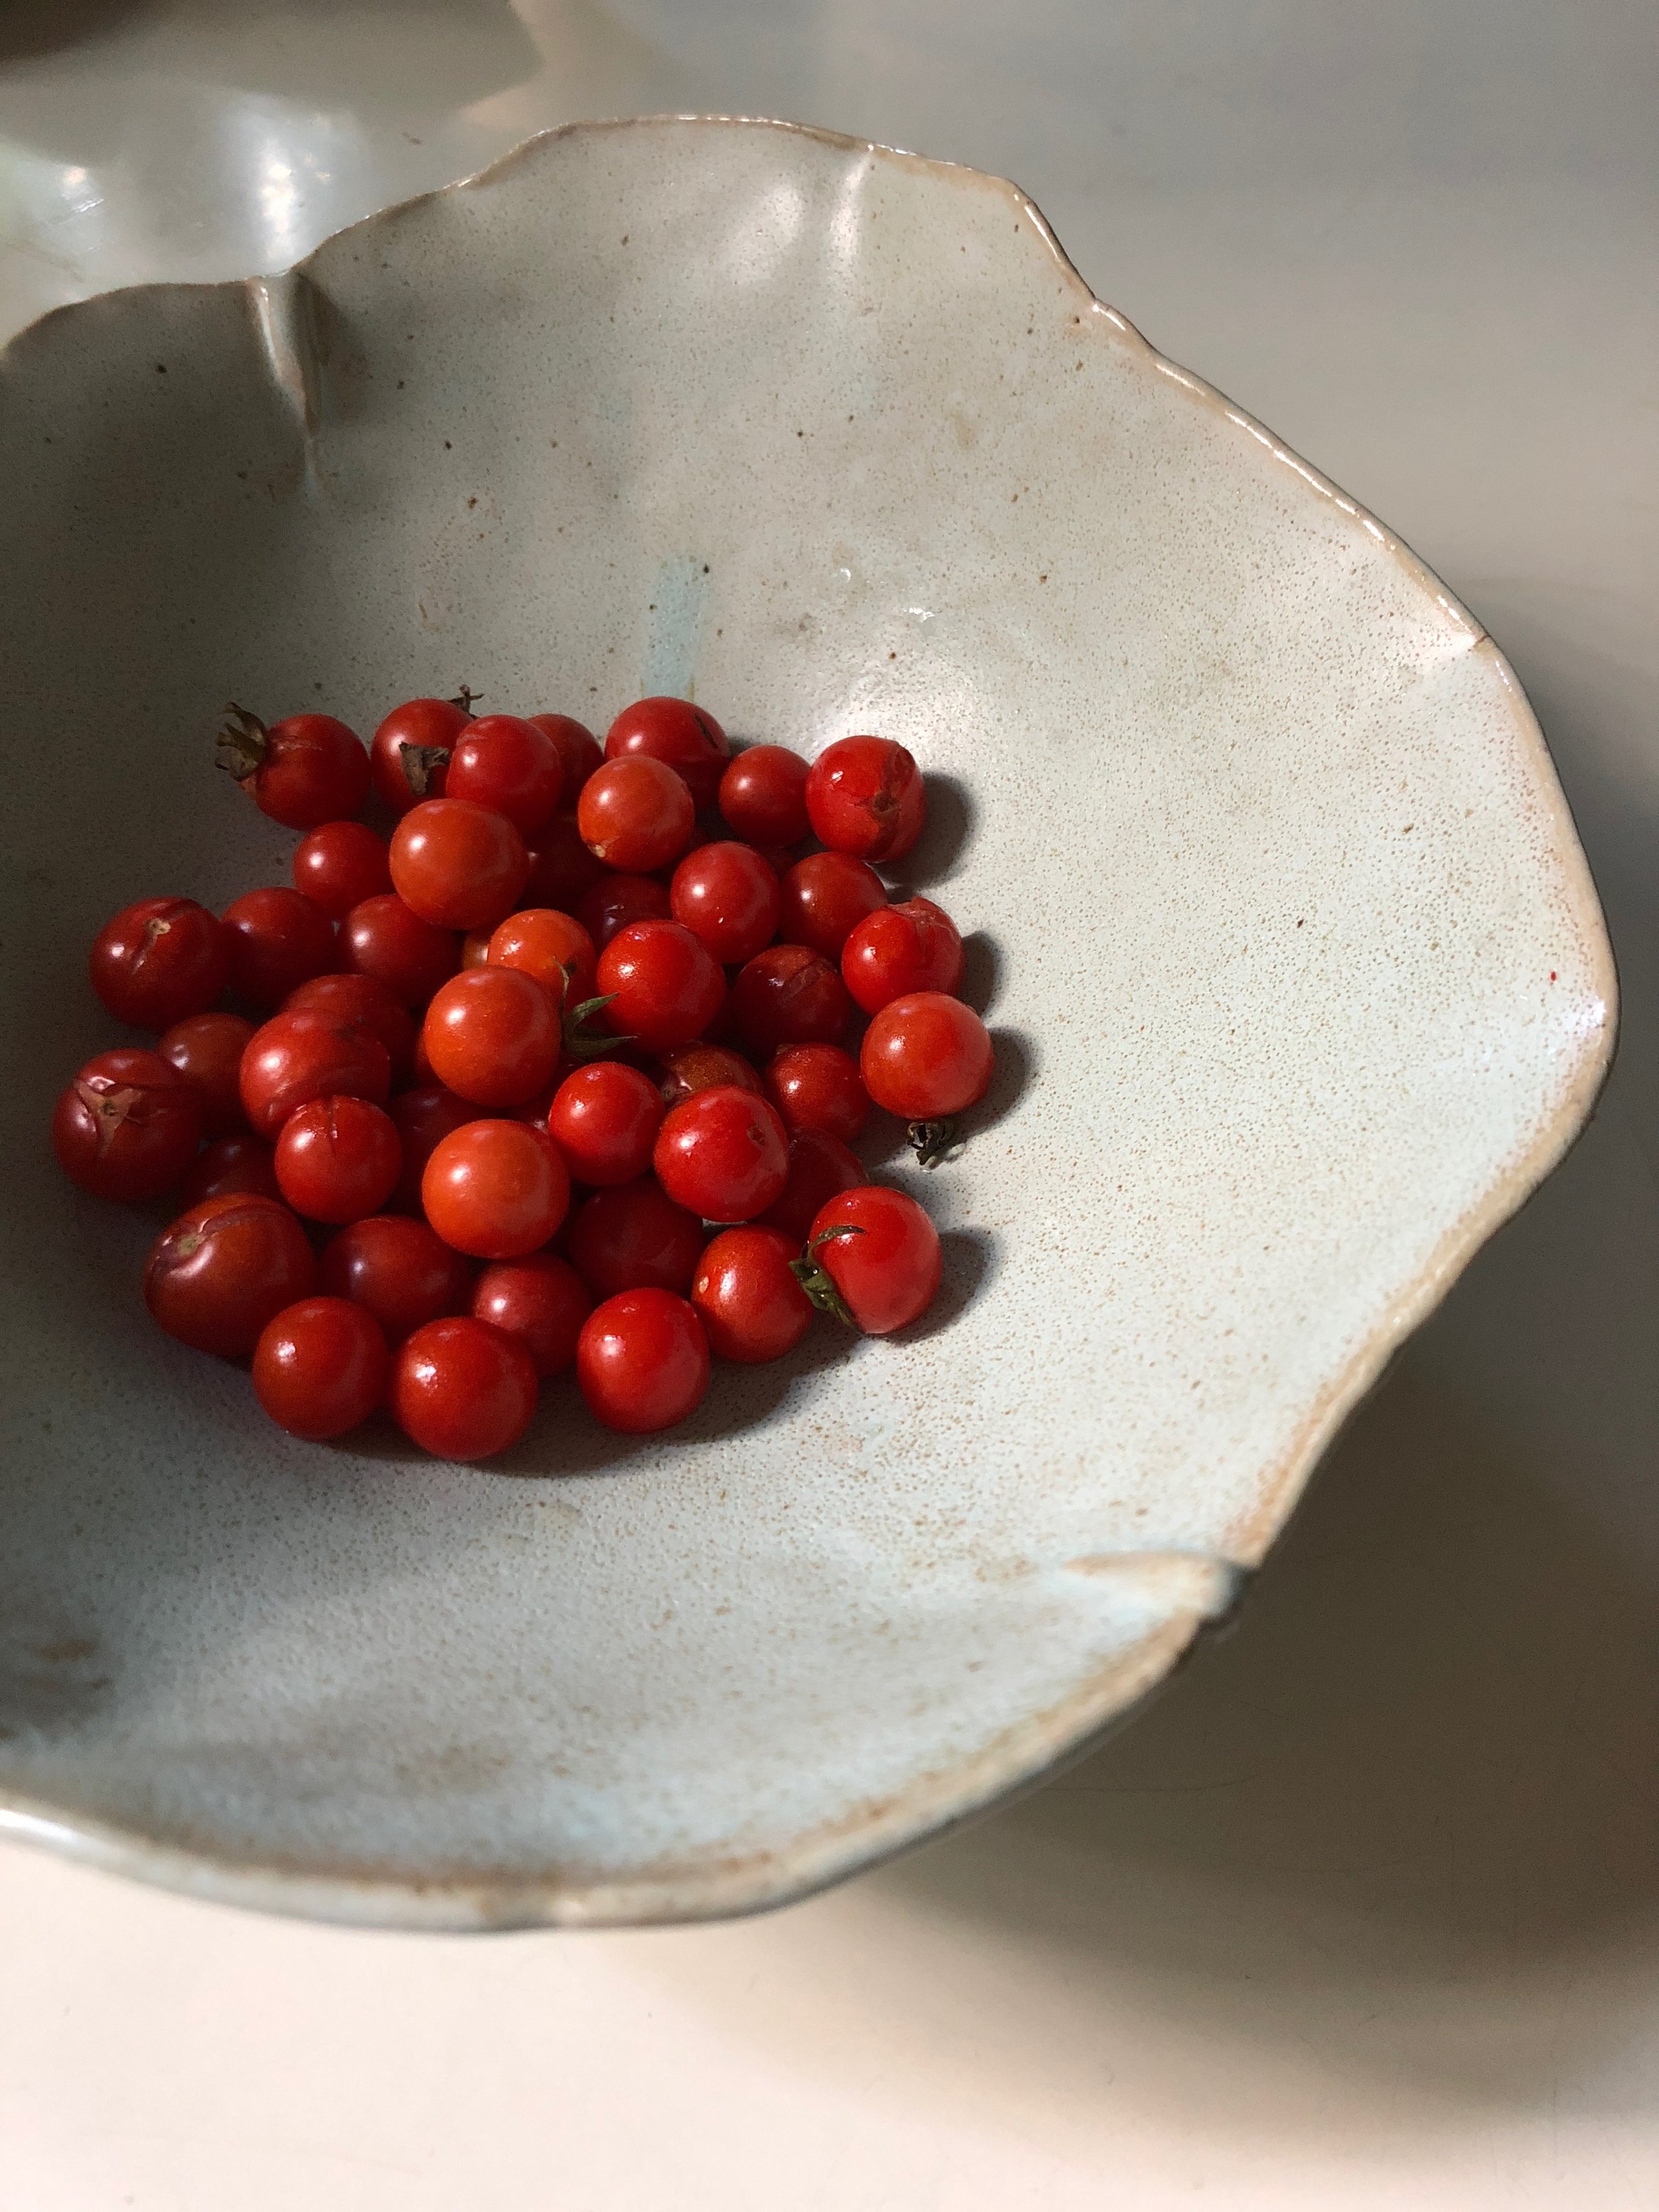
(549, 1026)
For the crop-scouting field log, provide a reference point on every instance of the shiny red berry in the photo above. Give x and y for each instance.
(128, 1127)
(541, 1301)
(302, 771)
(158, 961)
(762, 795)
(726, 894)
(320, 1368)
(339, 866)
(864, 796)
(925, 1056)
(750, 1303)
(642, 1361)
(818, 1086)
(278, 939)
(915, 946)
(789, 994)
(410, 753)
(635, 814)
(461, 1390)
(684, 738)
(724, 1155)
(510, 765)
(822, 899)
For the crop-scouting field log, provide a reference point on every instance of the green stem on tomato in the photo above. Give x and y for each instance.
(241, 742)
(420, 763)
(815, 1280)
(931, 1141)
(581, 1040)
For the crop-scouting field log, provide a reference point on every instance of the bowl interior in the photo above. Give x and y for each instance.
(1296, 976)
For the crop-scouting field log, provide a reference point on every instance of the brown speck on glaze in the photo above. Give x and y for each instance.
(831, 1615)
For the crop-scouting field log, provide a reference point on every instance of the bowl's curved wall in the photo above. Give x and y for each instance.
(1300, 981)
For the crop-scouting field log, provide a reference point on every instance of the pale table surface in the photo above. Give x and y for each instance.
(1364, 1910)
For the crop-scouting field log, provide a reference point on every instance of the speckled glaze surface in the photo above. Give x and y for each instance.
(1298, 977)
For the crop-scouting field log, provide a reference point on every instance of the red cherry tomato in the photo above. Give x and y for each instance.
(561, 869)
(551, 947)
(578, 750)
(925, 1056)
(633, 1237)
(320, 1368)
(540, 1302)
(605, 1118)
(724, 1155)
(300, 1056)
(222, 1270)
(382, 938)
(463, 1390)
(899, 950)
(422, 1118)
(819, 1167)
(458, 866)
(727, 895)
(158, 961)
(614, 902)
(497, 1189)
(665, 986)
(864, 796)
(789, 994)
(474, 947)
(818, 1086)
(635, 815)
(642, 1361)
(244, 1165)
(207, 1050)
(339, 866)
(128, 1127)
(400, 1270)
(430, 727)
(302, 771)
(492, 1034)
(278, 940)
(338, 1159)
(682, 737)
(749, 1305)
(361, 998)
(824, 897)
(762, 795)
(882, 1253)
(689, 1068)
(510, 766)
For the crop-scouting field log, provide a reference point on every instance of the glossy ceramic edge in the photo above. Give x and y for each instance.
(717, 1888)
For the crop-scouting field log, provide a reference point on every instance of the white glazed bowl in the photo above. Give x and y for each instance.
(1299, 979)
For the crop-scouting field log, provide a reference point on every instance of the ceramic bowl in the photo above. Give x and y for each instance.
(1299, 979)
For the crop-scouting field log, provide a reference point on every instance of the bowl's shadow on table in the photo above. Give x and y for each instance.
(1392, 1842)
(1424, 1757)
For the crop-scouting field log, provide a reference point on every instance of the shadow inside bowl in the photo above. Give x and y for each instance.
(565, 1439)
(950, 824)
(982, 971)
